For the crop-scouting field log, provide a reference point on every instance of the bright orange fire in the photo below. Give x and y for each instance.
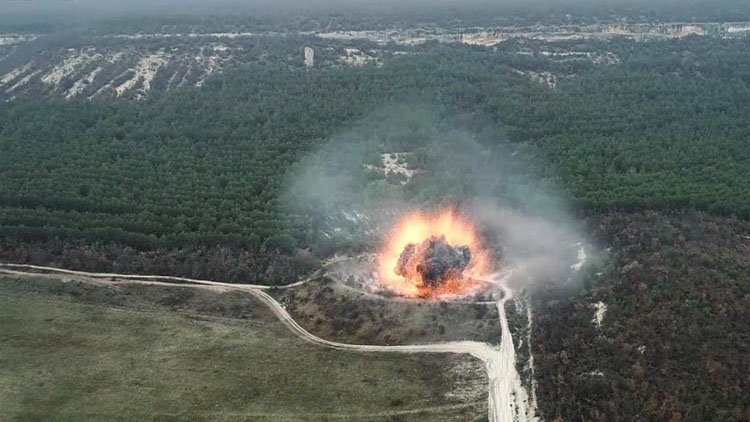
(417, 227)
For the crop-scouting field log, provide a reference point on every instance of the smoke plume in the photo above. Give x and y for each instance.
(406, 158)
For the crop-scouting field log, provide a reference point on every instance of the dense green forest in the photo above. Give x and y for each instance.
(203, 169)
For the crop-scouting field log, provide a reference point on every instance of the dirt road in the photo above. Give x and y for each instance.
(513, 400)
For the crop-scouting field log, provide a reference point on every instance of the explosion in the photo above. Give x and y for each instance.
(433, 261)
(432, 255)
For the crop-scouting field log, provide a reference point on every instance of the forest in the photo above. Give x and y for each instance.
(674, 340)
(644, 141)
(198, 173)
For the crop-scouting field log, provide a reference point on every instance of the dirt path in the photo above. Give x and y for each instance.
(513, 400)
(153, 277)
(507, 399)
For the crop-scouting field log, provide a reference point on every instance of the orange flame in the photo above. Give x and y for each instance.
(417, 227)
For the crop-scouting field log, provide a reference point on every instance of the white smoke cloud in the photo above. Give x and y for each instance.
(524, 216)
(538, 249)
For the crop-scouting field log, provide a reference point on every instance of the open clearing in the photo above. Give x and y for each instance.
(333, 310)
(83, 351)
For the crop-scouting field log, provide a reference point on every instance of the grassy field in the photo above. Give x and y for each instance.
(75, 351)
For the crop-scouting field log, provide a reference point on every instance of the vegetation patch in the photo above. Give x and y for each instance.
(335, 312)
(126, 354)
(673, 343)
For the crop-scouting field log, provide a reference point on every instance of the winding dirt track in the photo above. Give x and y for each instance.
(507, 399)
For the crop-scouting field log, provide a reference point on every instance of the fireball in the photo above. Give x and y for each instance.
(418, 228)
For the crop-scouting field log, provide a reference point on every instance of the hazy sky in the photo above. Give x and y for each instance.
(16, 11)
(120, 6)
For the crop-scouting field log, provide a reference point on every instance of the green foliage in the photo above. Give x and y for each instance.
(199, 169)
(78, 351)
(663, 130)
(673, 340)
(281, 243)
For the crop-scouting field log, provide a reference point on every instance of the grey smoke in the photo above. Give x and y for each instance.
(505, 187)
(433, 260)
(538, 249)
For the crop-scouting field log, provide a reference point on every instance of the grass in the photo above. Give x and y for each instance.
(72, 351)
(330, 310)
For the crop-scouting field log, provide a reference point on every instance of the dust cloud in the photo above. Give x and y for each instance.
(343, 188)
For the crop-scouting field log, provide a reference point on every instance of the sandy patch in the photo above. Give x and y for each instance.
(309, 57)
(23, 81)
(601, 309)
(82, 83)
(146, 70)
(69, 66)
